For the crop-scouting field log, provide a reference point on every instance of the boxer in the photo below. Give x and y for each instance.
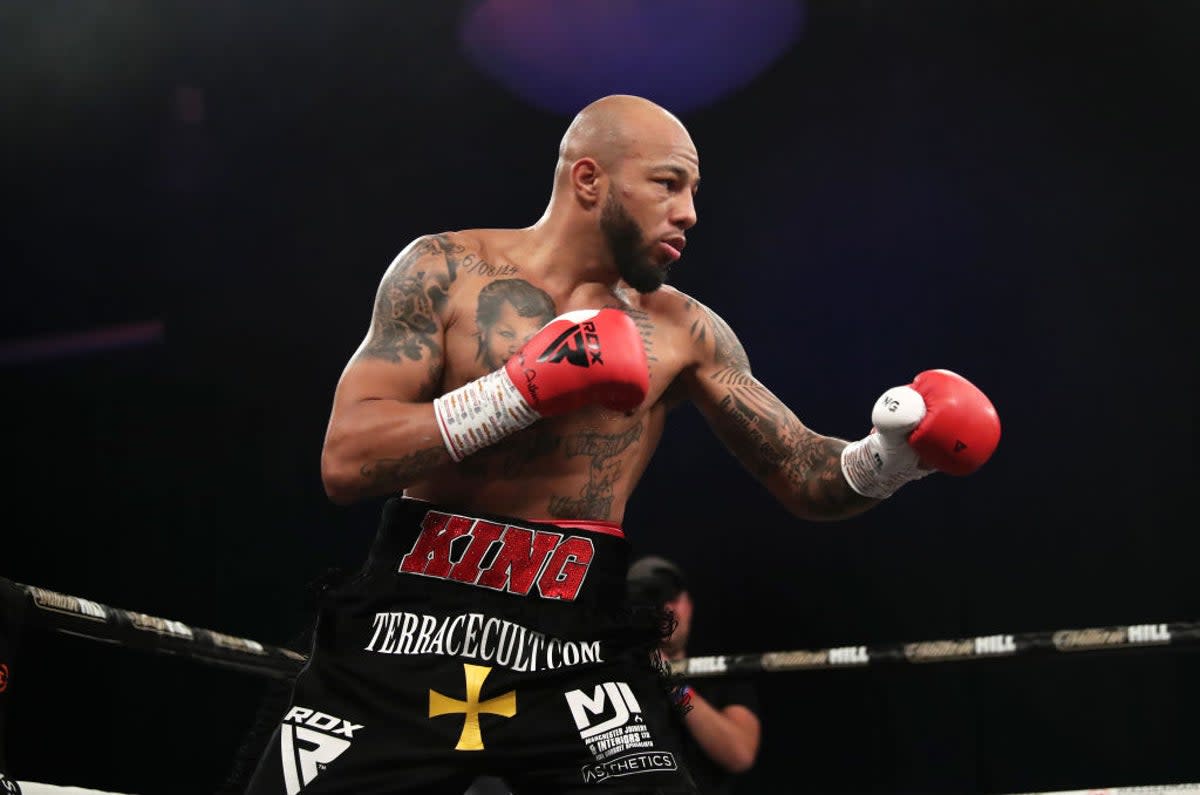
(486, 632)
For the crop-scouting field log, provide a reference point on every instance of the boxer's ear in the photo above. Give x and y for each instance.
(587, 180)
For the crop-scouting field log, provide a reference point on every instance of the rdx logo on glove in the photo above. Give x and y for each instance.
(574, 345)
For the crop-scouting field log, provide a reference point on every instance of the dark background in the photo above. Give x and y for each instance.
(1003, 189)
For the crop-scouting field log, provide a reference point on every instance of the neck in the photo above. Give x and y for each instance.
(567, 250)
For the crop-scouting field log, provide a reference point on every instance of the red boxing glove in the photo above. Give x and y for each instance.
(941, 420)
(960, 430)
(585, 357)
(579, 358)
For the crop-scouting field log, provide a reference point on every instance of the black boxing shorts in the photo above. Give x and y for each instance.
(479, 645)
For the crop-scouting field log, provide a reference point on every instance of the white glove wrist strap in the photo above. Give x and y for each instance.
(481, 413)
(876, 466)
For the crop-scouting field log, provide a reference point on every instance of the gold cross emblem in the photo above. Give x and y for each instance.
(471, 739)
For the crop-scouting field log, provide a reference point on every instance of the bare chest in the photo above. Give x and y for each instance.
(498, 317)
(580, 465)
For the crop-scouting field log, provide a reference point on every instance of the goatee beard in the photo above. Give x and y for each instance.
(628, 248)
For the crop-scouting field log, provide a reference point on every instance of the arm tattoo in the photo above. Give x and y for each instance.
(770, 441)
(728, 350)
(764, 422)
(412, 294)
(698, 329)
(815, 466)
(395, 473)
(765, 435)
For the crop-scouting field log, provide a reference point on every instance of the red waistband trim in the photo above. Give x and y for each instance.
(594, 525)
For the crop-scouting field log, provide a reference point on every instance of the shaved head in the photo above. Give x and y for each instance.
(615, 127)
(624, 184)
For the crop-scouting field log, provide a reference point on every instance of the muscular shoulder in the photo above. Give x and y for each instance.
(436, 265)
(433, 257)
(705, 335)
(455, 253)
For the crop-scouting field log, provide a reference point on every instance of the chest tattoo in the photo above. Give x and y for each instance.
(595, 498)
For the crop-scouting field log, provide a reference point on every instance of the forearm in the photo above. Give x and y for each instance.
(801, 468)
(379, 446)
(810, 483)
(731, 744)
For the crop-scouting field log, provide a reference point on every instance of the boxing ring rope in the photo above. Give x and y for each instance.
(984, 647)
(73, 615)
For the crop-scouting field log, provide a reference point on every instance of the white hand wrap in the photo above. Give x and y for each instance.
(480, 413)
(883, 462)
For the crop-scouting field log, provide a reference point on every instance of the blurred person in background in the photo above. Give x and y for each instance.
(724, 732)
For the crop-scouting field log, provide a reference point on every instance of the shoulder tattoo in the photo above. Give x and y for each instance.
(708, 328)
(411, 296)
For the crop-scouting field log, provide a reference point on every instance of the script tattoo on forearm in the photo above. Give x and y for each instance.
(762, 420)
(396, 473)
(410, 297)
(596, 497)
(764, 433)
(768, 438)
